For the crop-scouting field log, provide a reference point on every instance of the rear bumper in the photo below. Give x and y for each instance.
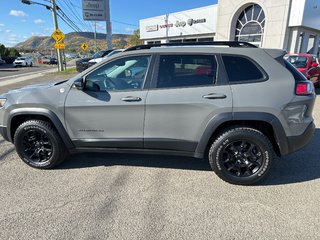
(297, 142)
(4, 133)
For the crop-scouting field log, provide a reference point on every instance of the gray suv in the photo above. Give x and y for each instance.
(237, 105)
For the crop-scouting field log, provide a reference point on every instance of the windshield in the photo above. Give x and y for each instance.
(21, 58)
(298, 61)
(98, 54)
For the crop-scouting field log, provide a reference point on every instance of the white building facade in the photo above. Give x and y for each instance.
(293, 25)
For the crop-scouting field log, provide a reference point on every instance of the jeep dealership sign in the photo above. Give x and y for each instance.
(94, 10)
(192, 22)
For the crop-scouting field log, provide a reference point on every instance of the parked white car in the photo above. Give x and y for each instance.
(97, 60)
(23, 62)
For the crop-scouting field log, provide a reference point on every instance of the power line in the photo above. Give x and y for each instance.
(129, 24)
(63, 19)
(113, 20)
(75, 14)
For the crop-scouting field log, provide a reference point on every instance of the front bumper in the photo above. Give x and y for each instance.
(297, 142)
(4, 132)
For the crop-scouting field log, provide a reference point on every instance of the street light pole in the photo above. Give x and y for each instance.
(55, 22)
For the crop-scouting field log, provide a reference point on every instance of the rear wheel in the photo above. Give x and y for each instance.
(241, 155)
(39, 145)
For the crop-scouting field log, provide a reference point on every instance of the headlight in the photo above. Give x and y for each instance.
(2, 102)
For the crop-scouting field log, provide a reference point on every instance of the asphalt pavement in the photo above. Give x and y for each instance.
(7, 70)
(123, 196)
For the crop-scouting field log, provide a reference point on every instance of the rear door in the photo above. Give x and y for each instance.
(188, 90)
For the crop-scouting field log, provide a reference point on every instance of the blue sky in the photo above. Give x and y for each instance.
(19, 22)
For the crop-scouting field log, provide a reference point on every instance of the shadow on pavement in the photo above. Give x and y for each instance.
(300, 166)
(9, 70)
(84, 160)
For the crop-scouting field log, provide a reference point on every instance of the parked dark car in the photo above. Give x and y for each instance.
(2, 61)
(53, 61)
(82, 64)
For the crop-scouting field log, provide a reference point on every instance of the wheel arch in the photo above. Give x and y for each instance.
(267, 123)
(18, 116)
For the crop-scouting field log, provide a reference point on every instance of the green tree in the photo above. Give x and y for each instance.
(135, 39)
(13, 52)
(2, 50)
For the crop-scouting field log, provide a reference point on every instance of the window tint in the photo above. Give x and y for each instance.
(122, 74)
(241, 69)
(186, 70)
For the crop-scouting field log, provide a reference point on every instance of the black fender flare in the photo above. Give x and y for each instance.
(217, 120)
(41, 112)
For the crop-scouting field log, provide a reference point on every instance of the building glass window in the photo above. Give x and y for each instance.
(250, 25)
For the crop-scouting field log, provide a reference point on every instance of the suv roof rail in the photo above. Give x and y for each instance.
(215, 43)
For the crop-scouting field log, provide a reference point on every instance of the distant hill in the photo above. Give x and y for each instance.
(73, 41)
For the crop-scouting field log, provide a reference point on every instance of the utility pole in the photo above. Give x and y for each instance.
(55, 21)
(108, 25)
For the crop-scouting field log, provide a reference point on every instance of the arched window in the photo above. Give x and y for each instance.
(250, 25)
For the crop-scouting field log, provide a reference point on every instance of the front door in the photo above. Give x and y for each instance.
(109, 111)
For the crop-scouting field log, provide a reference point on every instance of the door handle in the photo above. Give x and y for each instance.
(131, 99)
(214, 96)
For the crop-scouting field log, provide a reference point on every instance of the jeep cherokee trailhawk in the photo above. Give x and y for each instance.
(237, 105)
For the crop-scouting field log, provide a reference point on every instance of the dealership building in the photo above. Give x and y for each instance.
(293, 25)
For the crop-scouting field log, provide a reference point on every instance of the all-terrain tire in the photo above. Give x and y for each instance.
(39, 145)
(241, 155)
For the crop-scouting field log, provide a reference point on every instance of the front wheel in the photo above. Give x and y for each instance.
(241, 155)
(39, 145)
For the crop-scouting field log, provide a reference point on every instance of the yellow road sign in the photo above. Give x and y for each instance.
(59, 46)
(58, 35)
(84, 46)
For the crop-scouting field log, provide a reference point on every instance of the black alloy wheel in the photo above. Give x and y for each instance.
(242, 158)
(39, 145)
(241, 155)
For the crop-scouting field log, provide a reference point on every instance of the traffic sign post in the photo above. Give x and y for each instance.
(58, 35)
(59, 46)
(84, 46)
(55, 21)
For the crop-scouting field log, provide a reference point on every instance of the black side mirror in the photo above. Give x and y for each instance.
(79, 84)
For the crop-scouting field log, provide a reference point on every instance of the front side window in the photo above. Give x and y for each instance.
(186, 71)
(119, 75)
(241, 69)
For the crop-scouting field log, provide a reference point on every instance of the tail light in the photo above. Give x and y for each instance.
(304, 88)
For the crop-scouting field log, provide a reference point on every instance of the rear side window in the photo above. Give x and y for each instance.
(186, 71)
(241, 69)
